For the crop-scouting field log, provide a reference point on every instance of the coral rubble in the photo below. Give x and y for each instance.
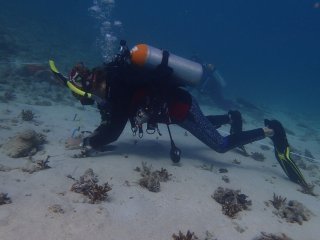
(87, 185)
(151, 179)
(4, 199)
(24, 144)
(232, 201)
(181, 236)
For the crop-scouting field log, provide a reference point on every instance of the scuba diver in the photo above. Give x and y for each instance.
(145, 86)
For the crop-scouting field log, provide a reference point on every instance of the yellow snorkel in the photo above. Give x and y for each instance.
(71, 85)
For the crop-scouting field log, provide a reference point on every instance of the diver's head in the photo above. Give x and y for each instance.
(80, 76)
(94, 81)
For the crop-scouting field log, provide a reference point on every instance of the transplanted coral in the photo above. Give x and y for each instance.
(265, 236)
(293, 211)
(188, 236)
(278, 201)
(151, 179)
(24, 144)
(38, 165)
(87, 185)
(232, 201)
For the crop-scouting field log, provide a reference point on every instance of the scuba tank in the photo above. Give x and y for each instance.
(184, 71)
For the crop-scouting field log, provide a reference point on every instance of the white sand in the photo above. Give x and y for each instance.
(132, 212)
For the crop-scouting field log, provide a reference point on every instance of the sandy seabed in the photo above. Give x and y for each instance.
(43, 207)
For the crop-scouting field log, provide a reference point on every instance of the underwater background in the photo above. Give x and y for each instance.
(267, 51)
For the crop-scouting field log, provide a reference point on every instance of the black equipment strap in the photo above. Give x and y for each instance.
(165, 58)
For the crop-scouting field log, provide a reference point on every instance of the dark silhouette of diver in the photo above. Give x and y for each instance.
(125, 90)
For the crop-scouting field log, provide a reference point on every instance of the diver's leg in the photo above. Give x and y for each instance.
(218, 120)
(233, 118)
(199, 126)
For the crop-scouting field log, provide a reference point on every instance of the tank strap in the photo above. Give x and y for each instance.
(165, 58)
(163, 72)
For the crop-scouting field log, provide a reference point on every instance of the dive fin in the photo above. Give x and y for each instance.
(282, 152)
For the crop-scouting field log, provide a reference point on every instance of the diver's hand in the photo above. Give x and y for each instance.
(268, 132)
(73, 143)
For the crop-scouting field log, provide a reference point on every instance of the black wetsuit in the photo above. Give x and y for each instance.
(127, 89)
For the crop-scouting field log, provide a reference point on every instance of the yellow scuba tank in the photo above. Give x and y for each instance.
(185, 72)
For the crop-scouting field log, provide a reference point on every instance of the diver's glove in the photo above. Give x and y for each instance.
(86, 148)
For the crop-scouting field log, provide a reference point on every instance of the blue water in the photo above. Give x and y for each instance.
(267, 51)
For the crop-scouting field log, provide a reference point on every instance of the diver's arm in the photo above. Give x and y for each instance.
(107, 132)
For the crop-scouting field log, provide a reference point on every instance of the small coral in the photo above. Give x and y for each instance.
(181, 236)
(38, 166)
(87, 185)
(163, 175)
(150, 182)
(258, 156)
(24, 144)
(151, 179)
(278, 201)
(232, 201)
(27, 115)
(43, 164)
(4, 199)
(293, 211)
(265, 236)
